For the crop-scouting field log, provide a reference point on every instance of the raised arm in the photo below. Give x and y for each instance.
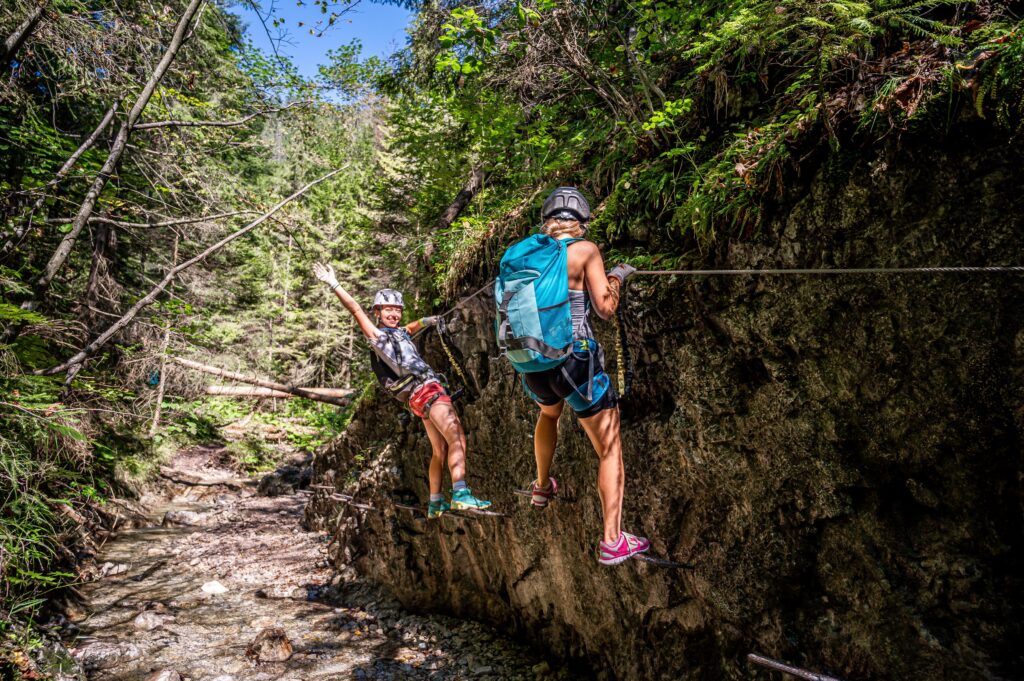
(325, 273)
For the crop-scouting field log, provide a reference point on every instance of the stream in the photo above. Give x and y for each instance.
(228, 586)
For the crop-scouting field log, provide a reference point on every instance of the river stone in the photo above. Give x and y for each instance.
(164, 675)
(180, 519)
(108, 569)
(261, 623)
(214, 587)
(106, 655)
(270, 645)
(75, 612)
(147, 621)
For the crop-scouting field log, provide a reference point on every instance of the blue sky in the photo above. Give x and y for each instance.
(381, 29)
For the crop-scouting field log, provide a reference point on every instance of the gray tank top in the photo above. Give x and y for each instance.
(579, 307)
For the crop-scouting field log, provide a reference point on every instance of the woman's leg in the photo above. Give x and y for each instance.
(545, 438)
(603, 430)
(445, 420)
(440, 450)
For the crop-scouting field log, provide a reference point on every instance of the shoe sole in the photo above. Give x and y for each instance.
(621, 559)
(469, 507)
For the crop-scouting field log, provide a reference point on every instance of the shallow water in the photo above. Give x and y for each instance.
(150, 612)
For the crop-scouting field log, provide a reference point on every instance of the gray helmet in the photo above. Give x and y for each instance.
(388, 296)
(566, 202)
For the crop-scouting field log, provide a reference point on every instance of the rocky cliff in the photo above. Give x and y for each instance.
(839, 456)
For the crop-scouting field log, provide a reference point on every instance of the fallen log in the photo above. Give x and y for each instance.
(308, 393)
(244, 391)
(196, 480)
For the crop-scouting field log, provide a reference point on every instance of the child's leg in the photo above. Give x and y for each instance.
(545, 438)
(440, 450)
(445, 421)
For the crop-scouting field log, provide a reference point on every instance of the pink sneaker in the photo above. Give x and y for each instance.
(542, 495)
(628, 546)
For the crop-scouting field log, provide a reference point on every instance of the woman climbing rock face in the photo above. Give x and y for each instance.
(546, 287)
(403, 373)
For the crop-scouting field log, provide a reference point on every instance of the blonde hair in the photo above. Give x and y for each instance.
(556, 227)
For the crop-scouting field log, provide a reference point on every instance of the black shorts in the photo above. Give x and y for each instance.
(580, 380)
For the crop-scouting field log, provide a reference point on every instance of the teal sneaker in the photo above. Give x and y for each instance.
(463, 499)
(436, 508)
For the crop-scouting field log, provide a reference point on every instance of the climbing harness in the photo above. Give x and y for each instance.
(787, 669)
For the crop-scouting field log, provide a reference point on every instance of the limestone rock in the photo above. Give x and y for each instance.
(270, 645)
(147, 621)
(214, 587)
(164, 675)
(854, 438)
(181, 519)
(101, 655)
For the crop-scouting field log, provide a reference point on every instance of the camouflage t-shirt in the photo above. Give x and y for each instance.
(395, 348)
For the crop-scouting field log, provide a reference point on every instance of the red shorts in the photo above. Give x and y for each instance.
(426, 396)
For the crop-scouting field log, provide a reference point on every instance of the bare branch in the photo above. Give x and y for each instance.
(165, 223)
(216, 124)
(60, 256)
(117, 326)
(14, 41)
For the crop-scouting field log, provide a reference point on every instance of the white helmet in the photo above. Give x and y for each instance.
(388, 296)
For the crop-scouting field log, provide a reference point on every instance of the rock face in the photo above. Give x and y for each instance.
(840, 456)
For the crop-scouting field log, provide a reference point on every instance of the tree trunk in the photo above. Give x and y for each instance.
(308, 393)
(16, 39)
(162, 385)
(350, 348)
(462, 199)
(100, 277)
(60, 256)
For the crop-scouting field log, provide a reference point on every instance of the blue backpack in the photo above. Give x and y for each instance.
(534, 322)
